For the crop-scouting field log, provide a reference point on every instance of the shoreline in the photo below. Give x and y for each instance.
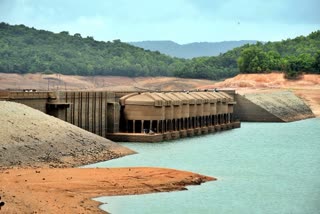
(70, 190)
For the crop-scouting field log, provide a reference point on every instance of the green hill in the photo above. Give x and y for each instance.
(27, 50)
(292, 56)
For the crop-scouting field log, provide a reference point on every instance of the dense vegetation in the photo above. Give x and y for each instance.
(27, 50)
(293, 56)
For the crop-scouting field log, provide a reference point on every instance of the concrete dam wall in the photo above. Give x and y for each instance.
(282, 106)
(96, 112)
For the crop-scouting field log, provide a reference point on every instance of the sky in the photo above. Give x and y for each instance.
(182, 21)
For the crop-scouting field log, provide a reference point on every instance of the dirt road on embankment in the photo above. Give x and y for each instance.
(37, 151)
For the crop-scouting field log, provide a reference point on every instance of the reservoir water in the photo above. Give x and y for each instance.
(261, 168)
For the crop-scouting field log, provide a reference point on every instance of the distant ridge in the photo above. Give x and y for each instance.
(191, 50)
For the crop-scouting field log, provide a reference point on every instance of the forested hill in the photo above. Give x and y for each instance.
(191, 50)
(292, 56)
(27, 50)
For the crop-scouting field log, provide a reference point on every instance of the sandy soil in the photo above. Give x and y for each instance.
(311, 97)
(271, 81)
(63, 82)
(70, 190)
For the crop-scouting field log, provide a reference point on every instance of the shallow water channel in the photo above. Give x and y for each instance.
(261, 168)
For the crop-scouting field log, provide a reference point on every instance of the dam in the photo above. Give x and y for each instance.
(136, 116)
(153, 116)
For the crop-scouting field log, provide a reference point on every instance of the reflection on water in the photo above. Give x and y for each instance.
(261, 168)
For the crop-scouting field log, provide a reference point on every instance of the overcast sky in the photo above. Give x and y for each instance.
(182, 21)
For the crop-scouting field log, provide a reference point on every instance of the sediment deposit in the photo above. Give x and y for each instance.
(70, 190)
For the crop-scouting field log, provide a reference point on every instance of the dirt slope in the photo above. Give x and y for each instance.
(32, 138)
(270, 81)
(63, 82)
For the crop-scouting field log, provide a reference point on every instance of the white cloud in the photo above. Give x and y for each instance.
(179, 20)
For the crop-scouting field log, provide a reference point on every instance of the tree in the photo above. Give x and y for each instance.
(252, 59)
(316, 64)
(273, 60)
(78, 35)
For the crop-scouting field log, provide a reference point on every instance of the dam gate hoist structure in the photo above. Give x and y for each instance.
(137, 116)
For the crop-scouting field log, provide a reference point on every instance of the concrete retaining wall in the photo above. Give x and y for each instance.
(282, 106)
(246, 110)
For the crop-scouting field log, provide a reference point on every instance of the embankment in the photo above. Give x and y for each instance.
(32, 138)
(280, 106)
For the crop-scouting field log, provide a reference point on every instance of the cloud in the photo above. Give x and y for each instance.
(179, 20)
(284, 11)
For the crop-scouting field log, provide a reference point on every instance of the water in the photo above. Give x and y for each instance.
(261, 168)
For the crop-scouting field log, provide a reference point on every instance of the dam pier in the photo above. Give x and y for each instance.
(158, 116)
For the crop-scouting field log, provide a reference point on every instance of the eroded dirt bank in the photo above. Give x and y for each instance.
(116, 83)
(70, 190)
